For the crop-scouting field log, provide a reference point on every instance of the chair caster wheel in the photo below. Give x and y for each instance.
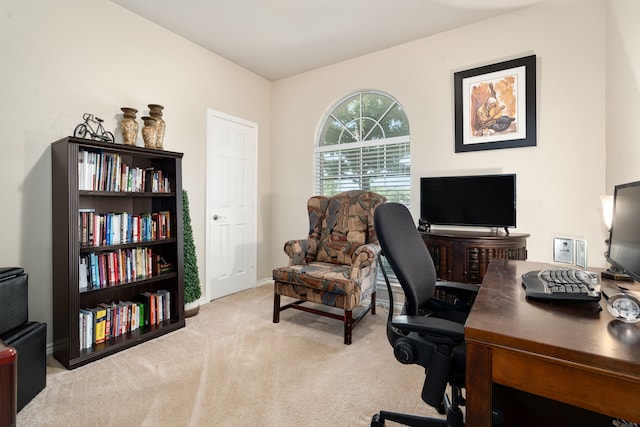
(375, 421)
(497, 417)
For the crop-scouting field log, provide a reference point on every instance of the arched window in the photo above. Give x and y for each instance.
(364, 144)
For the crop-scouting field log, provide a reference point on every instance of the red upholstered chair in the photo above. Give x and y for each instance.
(336, 265)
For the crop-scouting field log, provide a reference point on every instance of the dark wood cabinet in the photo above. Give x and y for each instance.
(70, 196)
(463, 256)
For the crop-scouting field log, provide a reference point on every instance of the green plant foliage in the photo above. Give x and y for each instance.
(192, 289)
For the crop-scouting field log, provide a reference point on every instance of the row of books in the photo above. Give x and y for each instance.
(104, 269)
(100, 171)
(115, 228)
(111, 320)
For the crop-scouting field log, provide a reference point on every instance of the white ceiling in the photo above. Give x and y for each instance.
(281, 38)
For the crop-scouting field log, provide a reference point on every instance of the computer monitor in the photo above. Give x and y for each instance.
(624, 236)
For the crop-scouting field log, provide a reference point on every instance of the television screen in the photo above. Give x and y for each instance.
(478, 200)
(624, 237)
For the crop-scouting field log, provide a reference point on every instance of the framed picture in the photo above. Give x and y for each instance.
(563, 250)
(581, 253)
(495, 106)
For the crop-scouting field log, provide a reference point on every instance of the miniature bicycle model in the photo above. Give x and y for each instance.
(96, 131)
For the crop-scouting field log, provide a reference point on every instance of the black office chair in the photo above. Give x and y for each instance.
(430, 330)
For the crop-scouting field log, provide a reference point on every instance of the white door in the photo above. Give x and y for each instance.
(231, 204)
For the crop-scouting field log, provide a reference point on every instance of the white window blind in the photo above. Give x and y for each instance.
(381, 166)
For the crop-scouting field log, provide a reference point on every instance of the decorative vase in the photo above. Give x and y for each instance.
(149, 132)
(129, 126)
(155, 111)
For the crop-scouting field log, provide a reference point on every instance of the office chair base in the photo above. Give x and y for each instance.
(406, 419)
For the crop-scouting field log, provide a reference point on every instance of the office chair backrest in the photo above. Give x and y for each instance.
(407, 254)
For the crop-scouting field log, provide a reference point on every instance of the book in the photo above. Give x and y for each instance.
(99, 324)
(81, 326)
(86, 329)
(141, 314)
(84, 225)
(109, 314)
(166, 303)
(134, 315)
(160, 266)
(83, 274)
(159, 304)
(149, 302)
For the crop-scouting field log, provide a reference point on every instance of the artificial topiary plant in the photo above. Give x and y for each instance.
(192, 290)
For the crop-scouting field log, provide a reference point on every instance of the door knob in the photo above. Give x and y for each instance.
(217, 217)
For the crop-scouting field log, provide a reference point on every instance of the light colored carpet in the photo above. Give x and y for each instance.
(231, 366)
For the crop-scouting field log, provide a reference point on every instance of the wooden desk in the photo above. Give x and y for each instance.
(566, 352)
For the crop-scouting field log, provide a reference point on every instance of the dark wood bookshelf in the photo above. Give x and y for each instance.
(67, 200)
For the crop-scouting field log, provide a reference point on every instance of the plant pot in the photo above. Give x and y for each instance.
(191, 308)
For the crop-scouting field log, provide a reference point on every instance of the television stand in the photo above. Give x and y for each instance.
(463, 256)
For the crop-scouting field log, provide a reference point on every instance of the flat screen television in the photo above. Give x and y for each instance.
(624, 236)
(474, 200)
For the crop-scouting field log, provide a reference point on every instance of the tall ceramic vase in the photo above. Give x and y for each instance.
(155, 111)
(149, 132)
(129, 126)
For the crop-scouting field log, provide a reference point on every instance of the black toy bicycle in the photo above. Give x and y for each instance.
(96, 131)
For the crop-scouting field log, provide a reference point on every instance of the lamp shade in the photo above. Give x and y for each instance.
(607, 210)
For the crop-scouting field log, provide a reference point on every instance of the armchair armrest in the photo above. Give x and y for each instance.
(300, 251)
(432, 326)
(365, 256)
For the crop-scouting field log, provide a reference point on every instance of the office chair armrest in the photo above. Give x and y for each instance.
(453, 296)
(363, 257)
(429, 325)
(300, 251)
(458, 287)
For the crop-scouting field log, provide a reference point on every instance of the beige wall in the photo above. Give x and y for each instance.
(559, 181)
(623, 93)
(63, 58)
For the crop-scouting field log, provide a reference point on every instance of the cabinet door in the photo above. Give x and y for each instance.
(442, 254)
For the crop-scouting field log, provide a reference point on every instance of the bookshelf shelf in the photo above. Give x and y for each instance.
(130, 200)
(131, 283)
(102, 248)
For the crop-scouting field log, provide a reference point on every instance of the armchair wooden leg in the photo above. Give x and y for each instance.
(348, 326)
(276, 308)
(373, 303)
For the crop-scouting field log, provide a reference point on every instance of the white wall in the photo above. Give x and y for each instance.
(559, 181)
(623, 93)
(63, 58)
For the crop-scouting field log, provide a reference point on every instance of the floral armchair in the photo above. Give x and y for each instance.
(336, 265)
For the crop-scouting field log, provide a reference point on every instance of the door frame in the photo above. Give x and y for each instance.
(208, 211)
